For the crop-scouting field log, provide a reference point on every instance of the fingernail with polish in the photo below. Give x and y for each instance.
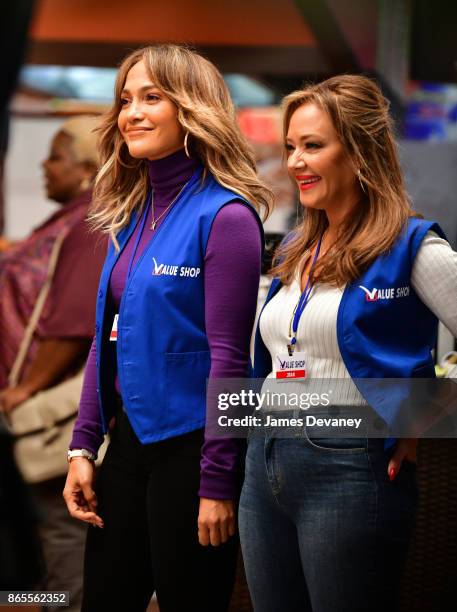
(392, 473)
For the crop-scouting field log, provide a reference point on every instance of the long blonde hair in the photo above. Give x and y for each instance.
(360, 117)
(205, 110)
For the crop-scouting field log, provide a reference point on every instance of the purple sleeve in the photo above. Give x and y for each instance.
(87, 432)
(232, 273)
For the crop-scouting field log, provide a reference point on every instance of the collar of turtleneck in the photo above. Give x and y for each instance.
(168, 175)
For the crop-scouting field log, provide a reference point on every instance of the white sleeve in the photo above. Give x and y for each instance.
(434, 279)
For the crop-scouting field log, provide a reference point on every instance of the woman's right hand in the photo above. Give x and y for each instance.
(78, 492)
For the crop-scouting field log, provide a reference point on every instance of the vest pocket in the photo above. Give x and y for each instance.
(185, 378)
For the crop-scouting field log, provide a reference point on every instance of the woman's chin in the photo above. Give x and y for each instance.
(311, 205)
(138, 152)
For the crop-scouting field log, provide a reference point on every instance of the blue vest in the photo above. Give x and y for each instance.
(163, 357)
(383, 328)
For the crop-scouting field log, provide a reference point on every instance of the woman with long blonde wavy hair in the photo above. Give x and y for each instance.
(178, 194)
(358, 288)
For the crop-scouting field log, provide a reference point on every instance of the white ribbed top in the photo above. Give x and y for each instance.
(434, 278)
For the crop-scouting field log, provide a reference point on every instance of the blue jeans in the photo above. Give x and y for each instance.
(322, 528)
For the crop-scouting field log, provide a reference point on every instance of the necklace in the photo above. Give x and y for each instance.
(156, 220)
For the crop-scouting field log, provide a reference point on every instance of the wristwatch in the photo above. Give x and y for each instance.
(80, 452)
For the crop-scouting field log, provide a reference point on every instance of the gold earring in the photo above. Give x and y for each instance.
(359, 176)
(185, 145)
(85, 184)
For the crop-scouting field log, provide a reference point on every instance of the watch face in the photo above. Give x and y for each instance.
(75, 453)
(81, 453)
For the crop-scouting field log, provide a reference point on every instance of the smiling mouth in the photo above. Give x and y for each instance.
(308, 182)
(138, 131)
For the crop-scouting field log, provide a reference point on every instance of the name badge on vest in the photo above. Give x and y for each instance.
(291, 367)
(113, 334)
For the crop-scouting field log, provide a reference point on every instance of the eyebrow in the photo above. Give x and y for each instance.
(142, 89)
(305, 136)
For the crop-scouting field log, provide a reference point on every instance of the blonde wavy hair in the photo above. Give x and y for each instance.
(360, 117)
(205, 111)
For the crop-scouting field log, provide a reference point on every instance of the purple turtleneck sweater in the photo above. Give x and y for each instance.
(231, 275)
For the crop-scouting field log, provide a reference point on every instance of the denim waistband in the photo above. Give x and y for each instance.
(331, 422)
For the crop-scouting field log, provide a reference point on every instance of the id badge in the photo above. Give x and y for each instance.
(291, 368)
(113, 334)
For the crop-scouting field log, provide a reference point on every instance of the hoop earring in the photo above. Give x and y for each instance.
(186, 150)
(359, 176)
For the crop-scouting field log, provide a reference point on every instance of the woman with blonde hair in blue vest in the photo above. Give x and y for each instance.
(358, 289)
(178, 194)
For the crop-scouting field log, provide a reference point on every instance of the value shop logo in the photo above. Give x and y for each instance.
(171, 270)
(390, 293)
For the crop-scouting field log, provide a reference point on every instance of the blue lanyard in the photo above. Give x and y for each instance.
(303, 301)
(140, 233)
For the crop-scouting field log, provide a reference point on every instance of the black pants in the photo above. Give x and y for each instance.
(148, 500)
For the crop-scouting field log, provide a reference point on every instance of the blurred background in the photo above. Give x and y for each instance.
(59, 59)
(68, 53)
(62, 57)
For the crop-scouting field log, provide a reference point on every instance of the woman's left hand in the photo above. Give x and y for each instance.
(216, 521)
(405, 449)
(12, 397)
